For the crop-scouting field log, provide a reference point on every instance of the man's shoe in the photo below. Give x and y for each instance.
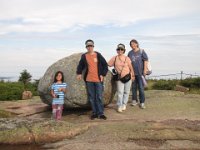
(134, 103)
(93, 116)
(103, 117)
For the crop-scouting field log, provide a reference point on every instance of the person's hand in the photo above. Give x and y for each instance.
(79, 77)
(144, 74)
(61, 89)
(133, 78)
(54, 95)
(101, 78)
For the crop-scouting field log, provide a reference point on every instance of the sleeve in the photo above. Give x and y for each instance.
(81, 65)
(129, 54)
(129, 60)
(130, 66)
(111, 62)
(104, 65)
(144, 56)
(65, 85)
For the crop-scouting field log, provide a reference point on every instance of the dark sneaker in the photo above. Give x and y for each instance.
(103, 117)
(93, 116)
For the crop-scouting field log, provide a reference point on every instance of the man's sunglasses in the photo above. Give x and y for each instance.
(90, 46)
(120, 49)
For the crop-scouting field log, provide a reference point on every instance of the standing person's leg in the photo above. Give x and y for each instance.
(54, 109)
(59, 111)
(127, 87)
(134, 91)
(120, 93)
(91, 97)
(99, 100)
(141, 92)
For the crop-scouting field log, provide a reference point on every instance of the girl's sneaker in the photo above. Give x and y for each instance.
(123, 107)
(142, 106)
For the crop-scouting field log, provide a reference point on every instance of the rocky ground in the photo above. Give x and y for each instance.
(170, 121)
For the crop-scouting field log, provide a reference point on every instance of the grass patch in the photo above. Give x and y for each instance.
(5, 114)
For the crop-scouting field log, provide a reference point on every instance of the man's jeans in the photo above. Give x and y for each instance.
(137, 83)
(95, 92)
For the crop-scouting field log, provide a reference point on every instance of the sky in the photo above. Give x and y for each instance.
(36, 33)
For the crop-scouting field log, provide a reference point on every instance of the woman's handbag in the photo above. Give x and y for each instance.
(126, 78)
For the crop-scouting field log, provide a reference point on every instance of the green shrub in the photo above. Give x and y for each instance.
(164, 84)
(33, 88)
(191, 83)
(14, 90)
(11, 90)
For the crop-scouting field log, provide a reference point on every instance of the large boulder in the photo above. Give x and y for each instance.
(76, 96)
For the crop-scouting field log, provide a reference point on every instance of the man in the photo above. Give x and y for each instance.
(96, 68)
(139, 60)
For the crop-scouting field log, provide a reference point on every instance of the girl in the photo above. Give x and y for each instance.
(58, 89)
(123, 67)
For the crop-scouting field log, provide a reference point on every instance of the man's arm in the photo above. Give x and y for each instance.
(145, 67)
(104, 65)
(145, 59)
(80, 68)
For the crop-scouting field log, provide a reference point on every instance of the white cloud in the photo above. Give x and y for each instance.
(58, 15)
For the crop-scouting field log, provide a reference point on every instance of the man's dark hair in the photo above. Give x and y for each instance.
(89, 41)
(55, 80)
(134, 41)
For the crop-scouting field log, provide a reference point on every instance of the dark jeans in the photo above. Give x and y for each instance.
(138, 84)
(95, 92)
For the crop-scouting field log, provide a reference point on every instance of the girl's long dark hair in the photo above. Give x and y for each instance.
(55, 80)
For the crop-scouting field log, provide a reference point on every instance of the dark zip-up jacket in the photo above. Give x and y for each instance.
(83, 65)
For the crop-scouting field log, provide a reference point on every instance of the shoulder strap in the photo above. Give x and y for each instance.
(115, 61)
(123, 66)
(141, 51)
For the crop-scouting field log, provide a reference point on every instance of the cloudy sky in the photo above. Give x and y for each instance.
(36, 33)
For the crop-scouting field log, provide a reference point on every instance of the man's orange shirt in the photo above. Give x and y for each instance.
(92, 61)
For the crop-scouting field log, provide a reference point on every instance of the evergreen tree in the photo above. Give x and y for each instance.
(25, 77)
